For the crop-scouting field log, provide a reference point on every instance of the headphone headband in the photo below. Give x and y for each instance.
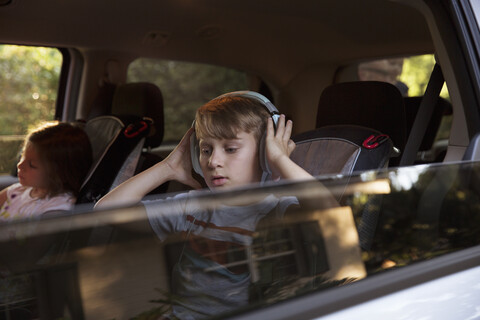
(253, 95)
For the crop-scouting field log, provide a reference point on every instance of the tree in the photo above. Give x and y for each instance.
(29, 78)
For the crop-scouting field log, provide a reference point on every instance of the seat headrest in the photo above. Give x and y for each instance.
(141, 99)
(372, 104)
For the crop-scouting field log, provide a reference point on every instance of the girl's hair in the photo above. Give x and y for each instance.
(66, 153)
(224, 118)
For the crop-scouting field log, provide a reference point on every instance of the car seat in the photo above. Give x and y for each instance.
(360, 126)
(134, 122)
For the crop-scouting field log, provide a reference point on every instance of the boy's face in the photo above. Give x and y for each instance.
(228, 163)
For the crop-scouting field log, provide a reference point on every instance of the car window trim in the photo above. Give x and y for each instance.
(322, 303)
(69, 84)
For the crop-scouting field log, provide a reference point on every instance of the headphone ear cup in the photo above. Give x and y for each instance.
(262, 155)
(195, 154)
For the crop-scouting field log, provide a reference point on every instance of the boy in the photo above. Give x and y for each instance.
(229, 131)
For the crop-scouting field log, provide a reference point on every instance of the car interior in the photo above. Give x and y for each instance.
(291, 67)
(369, 122)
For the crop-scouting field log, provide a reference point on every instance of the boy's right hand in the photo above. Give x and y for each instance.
(177, 166)
(180, 163)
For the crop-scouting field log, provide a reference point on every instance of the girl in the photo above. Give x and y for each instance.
(55, 160)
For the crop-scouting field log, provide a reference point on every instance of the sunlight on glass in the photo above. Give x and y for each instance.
(368, 175)
(379, 186)
(406, 178)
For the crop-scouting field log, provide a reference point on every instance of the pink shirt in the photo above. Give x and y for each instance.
(20, 205)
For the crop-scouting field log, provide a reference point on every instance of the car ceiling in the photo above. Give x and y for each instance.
(271, 37)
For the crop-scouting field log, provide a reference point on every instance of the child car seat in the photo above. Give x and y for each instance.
(134, 122)
(360, 126)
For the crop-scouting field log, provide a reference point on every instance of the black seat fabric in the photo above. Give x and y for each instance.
(371, 104)
(142, 100)
(102, 104)
(341, 149)
(348, 114)
(358, 126)
(135, 122)
(115, 155)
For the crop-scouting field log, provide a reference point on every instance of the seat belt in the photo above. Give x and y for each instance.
(128, 168)
(128, 140)
(424, 114)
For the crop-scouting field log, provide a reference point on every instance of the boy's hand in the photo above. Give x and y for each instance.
(278, 144)
(180, 164)
(177, 166)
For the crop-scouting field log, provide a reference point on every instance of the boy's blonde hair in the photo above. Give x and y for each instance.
(225, 117)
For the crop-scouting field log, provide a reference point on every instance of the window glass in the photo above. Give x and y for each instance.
(185, 87)
(411, 75)
(201, 257)
(29, 80)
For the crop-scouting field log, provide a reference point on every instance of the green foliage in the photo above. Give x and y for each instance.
(416, 73)
(185, 87)
(10, 147)
(29, 79)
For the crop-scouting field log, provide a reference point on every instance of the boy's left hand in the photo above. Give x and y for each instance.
(278, 144)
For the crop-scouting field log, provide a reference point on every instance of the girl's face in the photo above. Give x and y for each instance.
(31, 170)
(228, 163)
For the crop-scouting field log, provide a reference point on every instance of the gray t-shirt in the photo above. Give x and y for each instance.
(208, 278)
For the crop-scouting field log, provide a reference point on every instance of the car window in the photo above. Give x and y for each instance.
(185, 87)
(29, 79)
(411, 75)
(385, 221)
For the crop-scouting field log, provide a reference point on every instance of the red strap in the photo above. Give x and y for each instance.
(374, 141)
(134, 129)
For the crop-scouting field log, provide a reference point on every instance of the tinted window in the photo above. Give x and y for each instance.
(185, 87)
(385, 221)
(29, 79)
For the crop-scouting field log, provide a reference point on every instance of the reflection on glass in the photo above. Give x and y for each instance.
(407, 177)
(98, 265)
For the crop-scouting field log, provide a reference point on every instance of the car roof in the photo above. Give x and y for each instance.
(274, 39)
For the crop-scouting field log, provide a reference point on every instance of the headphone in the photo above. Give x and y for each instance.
(272, 110)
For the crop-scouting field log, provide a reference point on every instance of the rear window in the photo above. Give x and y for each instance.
(29, 79)
(411, 75)
(185, 86)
